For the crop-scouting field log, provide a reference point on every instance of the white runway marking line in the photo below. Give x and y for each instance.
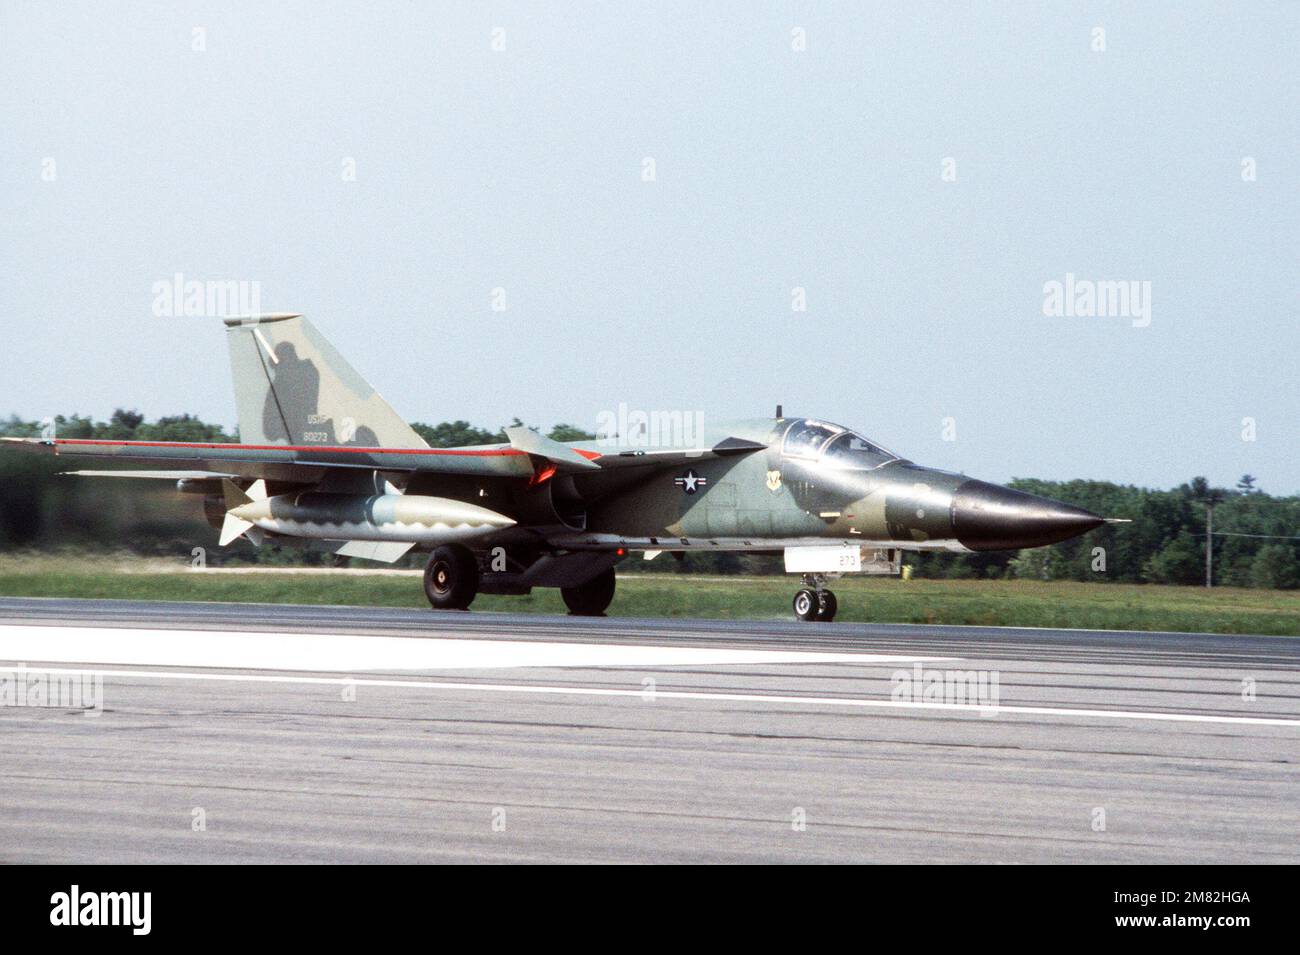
(346, 653)
(670, 695)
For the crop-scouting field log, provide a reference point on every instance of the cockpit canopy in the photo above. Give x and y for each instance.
(833, 445)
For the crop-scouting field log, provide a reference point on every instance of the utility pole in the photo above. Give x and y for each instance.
(1209, 545)
(1210, 497)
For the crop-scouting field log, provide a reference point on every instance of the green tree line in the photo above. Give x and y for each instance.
(1254, 543)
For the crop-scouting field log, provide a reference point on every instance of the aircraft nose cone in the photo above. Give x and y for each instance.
(991, 517)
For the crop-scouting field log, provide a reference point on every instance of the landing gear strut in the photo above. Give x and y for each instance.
(451, 577)
(814, 601)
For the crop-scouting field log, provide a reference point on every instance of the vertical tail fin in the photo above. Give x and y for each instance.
(292, 387)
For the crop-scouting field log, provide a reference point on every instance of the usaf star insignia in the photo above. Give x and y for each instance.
(690, 482)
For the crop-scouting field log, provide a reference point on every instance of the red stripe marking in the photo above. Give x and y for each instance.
(485, 452)
(472, 452)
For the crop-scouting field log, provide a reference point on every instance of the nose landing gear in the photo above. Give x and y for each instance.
(814, 601)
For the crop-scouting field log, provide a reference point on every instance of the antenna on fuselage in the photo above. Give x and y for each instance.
(779, 415)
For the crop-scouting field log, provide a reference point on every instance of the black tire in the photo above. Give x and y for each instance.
(805, 605)
(828, 606)
(451, 578)
(590, 599)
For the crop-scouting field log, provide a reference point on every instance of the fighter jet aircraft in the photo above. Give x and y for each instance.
(323, 457)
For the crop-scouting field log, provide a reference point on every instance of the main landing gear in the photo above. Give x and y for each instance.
(451, 577)
(590, 599)
(814, 601)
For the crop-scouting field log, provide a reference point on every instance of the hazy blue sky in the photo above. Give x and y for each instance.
(775, 169)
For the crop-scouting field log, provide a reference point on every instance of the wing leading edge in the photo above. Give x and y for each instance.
(527, 456)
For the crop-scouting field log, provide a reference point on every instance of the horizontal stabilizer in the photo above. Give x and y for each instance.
(530, 442)
(386, 551)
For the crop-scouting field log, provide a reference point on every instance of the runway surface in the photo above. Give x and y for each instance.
(241, 733)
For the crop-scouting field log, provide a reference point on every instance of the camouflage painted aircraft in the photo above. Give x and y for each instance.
(324, 457)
